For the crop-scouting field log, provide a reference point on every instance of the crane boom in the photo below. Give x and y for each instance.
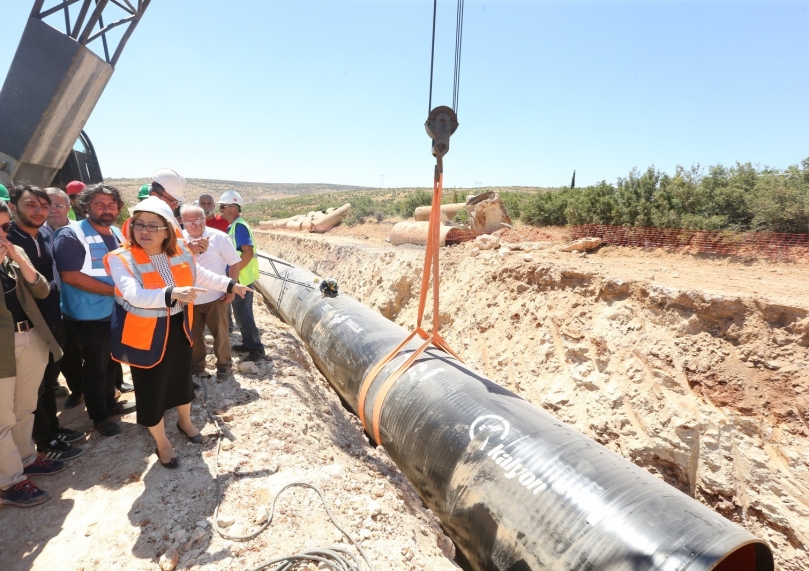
(54, 83)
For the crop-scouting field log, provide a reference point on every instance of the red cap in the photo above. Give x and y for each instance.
(75, 187)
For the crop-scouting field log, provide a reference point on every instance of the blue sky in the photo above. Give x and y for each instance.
(336, 91)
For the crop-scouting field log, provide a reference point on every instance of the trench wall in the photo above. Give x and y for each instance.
(708, 392)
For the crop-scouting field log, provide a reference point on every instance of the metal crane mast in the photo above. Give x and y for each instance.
(55, 81)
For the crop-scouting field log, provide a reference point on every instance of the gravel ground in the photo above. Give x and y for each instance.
(117, 508)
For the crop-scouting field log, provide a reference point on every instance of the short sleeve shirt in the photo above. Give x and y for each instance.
(219, 255)
(242, 235)
(217, 223)
(69, 252)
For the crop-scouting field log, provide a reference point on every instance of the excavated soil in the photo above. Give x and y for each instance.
(696, 369)
(116, 508)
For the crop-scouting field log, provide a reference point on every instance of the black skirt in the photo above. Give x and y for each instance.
(167, 384)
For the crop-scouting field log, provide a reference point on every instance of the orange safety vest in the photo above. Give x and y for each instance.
(139, 335)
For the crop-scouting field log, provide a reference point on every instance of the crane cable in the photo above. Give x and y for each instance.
(432, 58)
(458, 41)
(430, 265)
(456, 78)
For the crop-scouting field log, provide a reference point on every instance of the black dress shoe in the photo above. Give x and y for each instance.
(255, 356)
(171, 464)
(73, 400)
(107, 427)
(123, 407)
(126, 388)
(198, 439)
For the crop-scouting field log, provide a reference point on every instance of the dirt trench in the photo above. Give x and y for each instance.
(115, 508)
(702, 381)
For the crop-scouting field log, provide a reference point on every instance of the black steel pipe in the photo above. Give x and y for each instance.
(515, 488)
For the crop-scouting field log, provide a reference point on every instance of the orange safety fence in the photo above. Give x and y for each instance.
(774, 245)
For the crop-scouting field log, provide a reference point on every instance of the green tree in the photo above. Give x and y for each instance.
(592, 205)
(412, 201)
(780, 202)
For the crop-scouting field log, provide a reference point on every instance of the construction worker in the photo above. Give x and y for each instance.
(73, 190)
(169, 186)
(230, 206)
(143, 193)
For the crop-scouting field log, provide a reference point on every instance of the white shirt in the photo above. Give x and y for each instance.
(220, 254)
(135, 294)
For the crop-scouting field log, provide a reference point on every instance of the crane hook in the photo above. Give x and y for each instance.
(440, 125)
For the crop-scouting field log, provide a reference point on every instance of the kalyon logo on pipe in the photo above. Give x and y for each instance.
(496, 428)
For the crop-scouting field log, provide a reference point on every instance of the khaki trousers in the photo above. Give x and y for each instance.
(215, 316)
(18, 400)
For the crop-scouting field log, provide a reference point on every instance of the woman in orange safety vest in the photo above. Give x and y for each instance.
(156, 281)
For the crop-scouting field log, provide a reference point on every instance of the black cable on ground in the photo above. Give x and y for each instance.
(335, 557)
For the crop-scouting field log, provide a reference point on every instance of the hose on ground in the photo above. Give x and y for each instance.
(334, 557)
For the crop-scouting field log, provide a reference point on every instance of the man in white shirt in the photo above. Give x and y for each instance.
(211, 308)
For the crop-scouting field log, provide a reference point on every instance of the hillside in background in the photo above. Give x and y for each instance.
(250, 191)
(279, 200)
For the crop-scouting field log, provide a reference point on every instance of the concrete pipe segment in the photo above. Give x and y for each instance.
(514, 488)
(312, 222)
(417, 232)
(325, 222)
(448, 211)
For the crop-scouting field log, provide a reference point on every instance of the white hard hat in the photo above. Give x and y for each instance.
(230, 197)
(155, 206)
(172, 181)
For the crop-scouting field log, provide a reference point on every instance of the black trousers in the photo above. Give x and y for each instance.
(99, 371)
(45, 421)
(71, 363)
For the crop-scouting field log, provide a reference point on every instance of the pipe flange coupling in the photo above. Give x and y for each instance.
(328, 287)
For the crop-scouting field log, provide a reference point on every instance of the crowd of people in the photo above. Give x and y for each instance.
(81, 297)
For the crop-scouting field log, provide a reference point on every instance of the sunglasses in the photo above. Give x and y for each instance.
(6, 227)
(169, 198)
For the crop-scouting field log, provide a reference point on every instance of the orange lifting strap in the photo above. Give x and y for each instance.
(432, 338)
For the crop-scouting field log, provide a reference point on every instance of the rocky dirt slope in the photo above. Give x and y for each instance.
(115, 508)
(697, 370)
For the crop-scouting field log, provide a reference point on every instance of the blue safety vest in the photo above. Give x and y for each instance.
(79, 304)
